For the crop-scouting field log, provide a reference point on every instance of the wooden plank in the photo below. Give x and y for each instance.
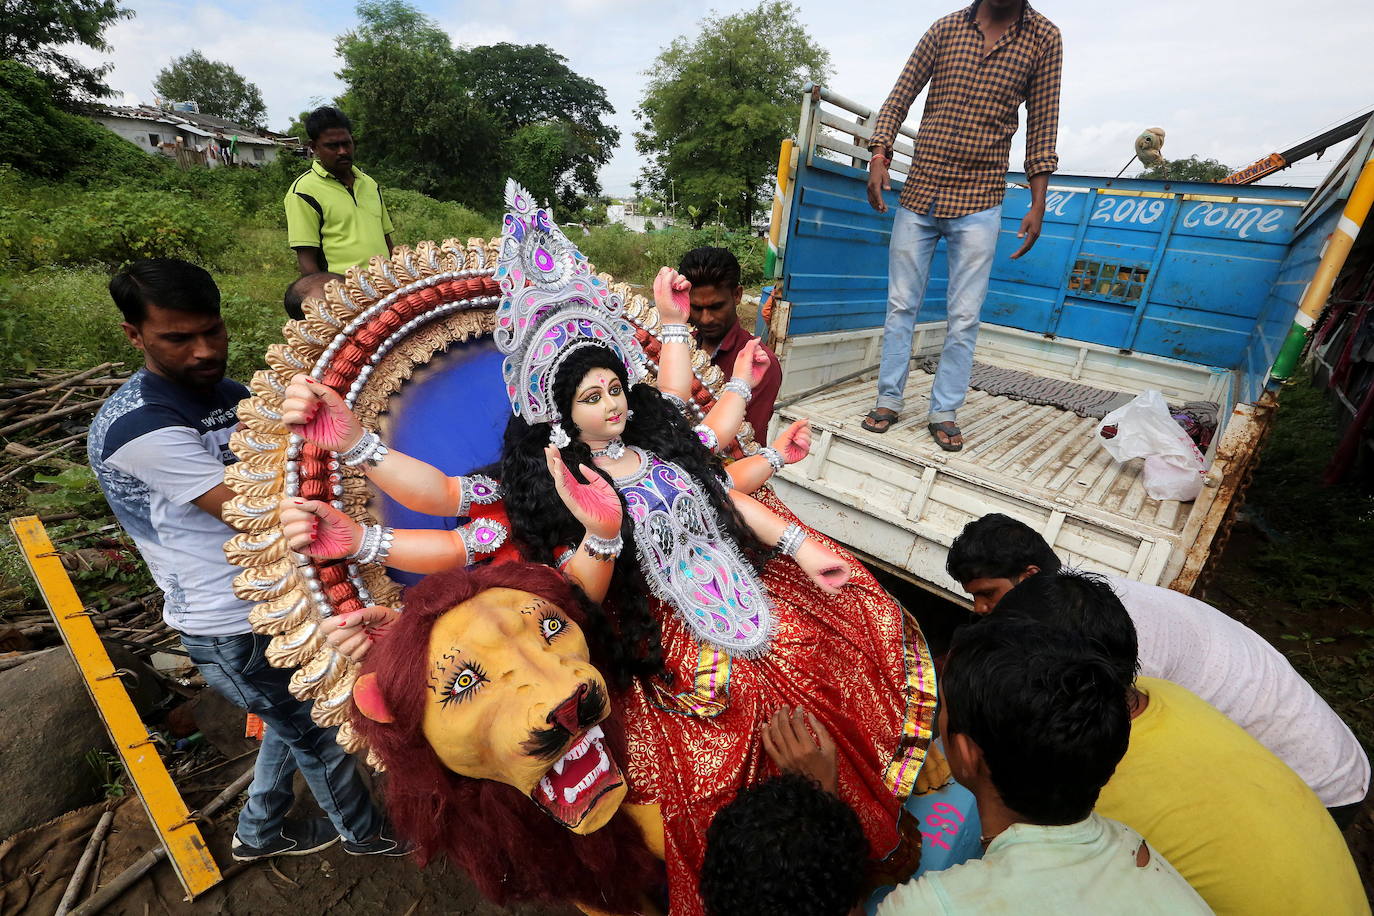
(166, 810)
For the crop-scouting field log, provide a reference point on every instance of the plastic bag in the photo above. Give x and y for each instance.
(1144, 428)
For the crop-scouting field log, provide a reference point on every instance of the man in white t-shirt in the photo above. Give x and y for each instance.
(159, 447)
(1194, 645)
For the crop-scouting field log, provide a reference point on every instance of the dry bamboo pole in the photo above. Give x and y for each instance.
(78, 880)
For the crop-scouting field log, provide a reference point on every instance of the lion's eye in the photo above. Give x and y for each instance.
(552, 626)
(463, 684)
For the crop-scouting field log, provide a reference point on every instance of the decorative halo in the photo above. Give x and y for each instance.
(364, 339)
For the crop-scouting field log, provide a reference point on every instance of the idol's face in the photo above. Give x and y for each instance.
(516, 700)
(600, 406)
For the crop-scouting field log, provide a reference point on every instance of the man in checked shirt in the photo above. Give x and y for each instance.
(980, 63)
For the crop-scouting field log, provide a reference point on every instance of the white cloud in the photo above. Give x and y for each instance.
(1228, 79)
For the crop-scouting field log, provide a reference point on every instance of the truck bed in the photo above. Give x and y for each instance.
(899, 500)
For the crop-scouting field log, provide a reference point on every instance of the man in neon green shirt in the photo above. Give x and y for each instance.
(335, 217)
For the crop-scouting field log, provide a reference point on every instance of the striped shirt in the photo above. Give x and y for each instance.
(971, 110)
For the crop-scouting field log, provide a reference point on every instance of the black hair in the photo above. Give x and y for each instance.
(784, 847)
(1045, 708)
(294, 299)
(710, 267)
(168, 283)
(1084, 604)
(997, 546)
(541, 524)
(324, 118)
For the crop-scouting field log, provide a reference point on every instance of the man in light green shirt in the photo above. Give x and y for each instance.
(335, 217)
(1034, 723)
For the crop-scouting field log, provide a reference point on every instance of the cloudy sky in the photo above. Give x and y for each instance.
(1227, 79)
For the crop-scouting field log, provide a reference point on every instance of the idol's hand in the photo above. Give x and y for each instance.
(751, 364)
(353, 634)
(594, 503)
(672, 295)
(319, 415)
(797, 742)
(794, 442)
(318, 530)
(827, 570)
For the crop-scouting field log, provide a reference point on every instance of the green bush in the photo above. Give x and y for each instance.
(419, 218)
(635, 257)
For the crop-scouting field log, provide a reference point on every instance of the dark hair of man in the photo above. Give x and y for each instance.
(997, 546)
(168, 283)
(784, 847)
(1084, 604)
(1045, 709)
(710, 267)
(294, 299)
(324, 118)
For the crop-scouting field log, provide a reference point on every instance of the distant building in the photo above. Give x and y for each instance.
(191, 137)
(628, 215)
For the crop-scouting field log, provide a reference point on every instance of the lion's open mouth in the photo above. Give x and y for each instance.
(574, 784)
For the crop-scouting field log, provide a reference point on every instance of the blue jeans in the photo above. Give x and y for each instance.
(971, 241)
(236, 667)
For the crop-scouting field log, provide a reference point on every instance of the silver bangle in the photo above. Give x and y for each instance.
(482, 536)
(740, 387)
(673, 399)
(367, 450)
(674, 334)
(707, 435)
(599, 548)
(774, 458)
(477, 490)
(791, 540)
(375, 545)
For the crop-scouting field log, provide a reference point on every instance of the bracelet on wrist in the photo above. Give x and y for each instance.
(675, 334)
(707, 435)
(367, 450)
(482, 537)
(604, 549)
(740, 387)
(791, 540)
(774, 458)
(375, 544)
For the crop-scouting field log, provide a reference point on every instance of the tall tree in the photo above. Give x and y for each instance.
(37, 34)
(717, 106)
(415, 124)
(216, 88)
(1190, 169)
(559, 138)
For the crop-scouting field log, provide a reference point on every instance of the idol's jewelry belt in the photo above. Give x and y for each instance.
(791, 540)
(599, 548)
(675, 334)
(740, 387)
(774, 458)
(367, 450)
(375, 545)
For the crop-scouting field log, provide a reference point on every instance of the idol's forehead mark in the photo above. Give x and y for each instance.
(605, 379)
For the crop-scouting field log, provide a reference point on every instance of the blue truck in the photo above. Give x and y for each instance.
(1184, 287)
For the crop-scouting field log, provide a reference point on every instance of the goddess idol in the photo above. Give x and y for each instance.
(719, 607)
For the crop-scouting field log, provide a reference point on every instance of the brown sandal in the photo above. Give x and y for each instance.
(887, 417)
(950, 430)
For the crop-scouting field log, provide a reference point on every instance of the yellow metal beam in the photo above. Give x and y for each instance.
(179, 833)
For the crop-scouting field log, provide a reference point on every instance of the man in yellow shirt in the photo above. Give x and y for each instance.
(1236, 822)
(335, 217)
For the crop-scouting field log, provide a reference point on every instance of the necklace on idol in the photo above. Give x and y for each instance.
(614, 450)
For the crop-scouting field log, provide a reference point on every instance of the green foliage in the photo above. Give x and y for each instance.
(560, 139)
(38, 138)
(109, 772)
(717, 107)
(416, 125)
(36, 35)
(216, 88)
(1190, 169)
(73, 489)
(635, 257)
(419, 218)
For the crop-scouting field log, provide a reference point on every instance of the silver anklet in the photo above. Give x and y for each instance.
(599, 548)
(375, 545)
(774, 458)
(675, 334)
(791, 540)
(740, 387)
(367, 450)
